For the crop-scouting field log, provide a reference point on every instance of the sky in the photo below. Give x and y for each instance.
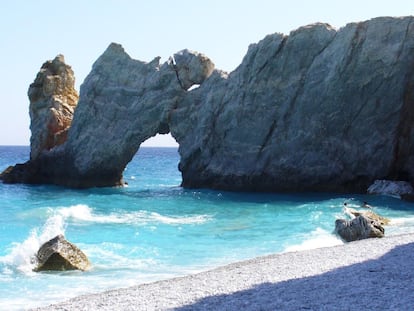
(32, 32)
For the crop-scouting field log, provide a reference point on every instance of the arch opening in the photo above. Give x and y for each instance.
(154, 165)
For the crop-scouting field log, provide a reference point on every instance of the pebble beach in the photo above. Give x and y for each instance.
(373, 274)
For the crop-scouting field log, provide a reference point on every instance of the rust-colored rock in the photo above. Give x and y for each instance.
(53, 99)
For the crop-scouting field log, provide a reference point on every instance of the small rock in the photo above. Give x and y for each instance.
(58, 254)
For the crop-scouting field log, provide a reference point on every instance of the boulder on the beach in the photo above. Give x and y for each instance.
(359, 228)
(58, 254)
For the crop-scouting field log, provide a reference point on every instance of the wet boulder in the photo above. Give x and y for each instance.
(359, 228)
(58, 254)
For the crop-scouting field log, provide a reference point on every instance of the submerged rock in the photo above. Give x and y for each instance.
(316, 110)
(361, 227)
(58, 254)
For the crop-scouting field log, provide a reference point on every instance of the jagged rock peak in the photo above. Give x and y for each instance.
(115, 50)
(53, 99)
(191, 67)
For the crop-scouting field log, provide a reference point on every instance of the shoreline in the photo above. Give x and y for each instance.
(368, 274)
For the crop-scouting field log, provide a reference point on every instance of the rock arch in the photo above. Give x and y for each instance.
(317, 110)
(122, 103)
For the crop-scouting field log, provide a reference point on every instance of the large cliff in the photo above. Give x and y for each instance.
(317, 110)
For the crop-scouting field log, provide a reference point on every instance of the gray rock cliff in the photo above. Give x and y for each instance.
(317, 110)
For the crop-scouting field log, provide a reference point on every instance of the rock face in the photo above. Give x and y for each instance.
(123, 102)
(58, 254)
(318, 110)
(53, 99)
(389, 187)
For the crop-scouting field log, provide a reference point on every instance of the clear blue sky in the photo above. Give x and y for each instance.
(32, 32)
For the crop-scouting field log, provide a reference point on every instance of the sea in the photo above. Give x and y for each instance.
(153, 229)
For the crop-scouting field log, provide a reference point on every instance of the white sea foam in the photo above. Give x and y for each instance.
(22, 255)
(82, 212)
(402, 221)
(400, 225)
(175, 220)
(111, 259)
(317, 238)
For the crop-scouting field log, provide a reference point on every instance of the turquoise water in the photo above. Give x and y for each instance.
(153, 229)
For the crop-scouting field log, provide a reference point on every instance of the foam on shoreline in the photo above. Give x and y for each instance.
(369, 274)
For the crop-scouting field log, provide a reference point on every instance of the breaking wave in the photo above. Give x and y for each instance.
(82, 212)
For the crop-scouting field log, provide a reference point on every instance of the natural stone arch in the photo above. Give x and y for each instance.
(129, 101)
(122, 103)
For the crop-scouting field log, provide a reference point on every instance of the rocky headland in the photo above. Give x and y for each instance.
(316, 110)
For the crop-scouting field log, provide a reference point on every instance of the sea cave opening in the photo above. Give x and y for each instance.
(155, 165)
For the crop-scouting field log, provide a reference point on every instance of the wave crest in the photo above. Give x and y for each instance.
(84, 213)
(22, 255)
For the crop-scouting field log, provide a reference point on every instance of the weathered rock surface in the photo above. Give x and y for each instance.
(58, 254)
(53, 99)
(390, 187)
(359, 228)
(123, 102)
(318, 110)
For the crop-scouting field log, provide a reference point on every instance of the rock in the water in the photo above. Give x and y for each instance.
(317, 110)
(53, 99)
(391, 187)
(124, 102)
(361, 227)
(58, 254)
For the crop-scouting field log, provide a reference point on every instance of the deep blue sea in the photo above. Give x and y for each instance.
(154, 229)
